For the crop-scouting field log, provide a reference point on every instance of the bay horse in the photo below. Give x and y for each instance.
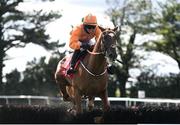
(91, 78)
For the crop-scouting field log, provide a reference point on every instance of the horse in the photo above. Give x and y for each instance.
(91, 78)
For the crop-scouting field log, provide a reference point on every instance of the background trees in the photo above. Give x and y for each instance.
(13, 84)
(18, 28)
(157, 86)
(167, 25)
(132, 17)
(135, 18)
(37, 79)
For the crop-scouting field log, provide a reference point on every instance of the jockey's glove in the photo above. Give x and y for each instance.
(85, 45)
(91, 43)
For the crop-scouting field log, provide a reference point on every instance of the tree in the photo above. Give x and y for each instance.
(39, 76)
(37, 79)
(167, 25)
(18, 28)
(13, 85)
(132, 17)
(157, 86)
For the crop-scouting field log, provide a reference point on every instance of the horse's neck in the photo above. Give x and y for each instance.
(97, 63)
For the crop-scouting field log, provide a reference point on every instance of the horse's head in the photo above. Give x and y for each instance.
(108, 42)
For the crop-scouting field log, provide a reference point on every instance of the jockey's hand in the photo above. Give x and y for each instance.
(85, 45)
(91, 43)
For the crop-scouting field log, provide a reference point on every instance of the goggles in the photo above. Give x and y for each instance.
(90, 26)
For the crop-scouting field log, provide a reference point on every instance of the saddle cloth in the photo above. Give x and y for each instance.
(64, 65)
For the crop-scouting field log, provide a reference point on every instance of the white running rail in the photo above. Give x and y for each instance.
(134, 101)
(128, 101)
(29, 98)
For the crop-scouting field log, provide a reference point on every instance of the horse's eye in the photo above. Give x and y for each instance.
(104, 33)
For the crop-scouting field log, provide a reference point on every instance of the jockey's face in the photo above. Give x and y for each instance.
(90, 28)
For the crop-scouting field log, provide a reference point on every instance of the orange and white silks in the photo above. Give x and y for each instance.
(80, 35)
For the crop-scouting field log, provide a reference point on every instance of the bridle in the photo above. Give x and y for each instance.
(102, 52)
(105, 33)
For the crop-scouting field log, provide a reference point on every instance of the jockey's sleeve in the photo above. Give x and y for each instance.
(97, 34)
(74, 39)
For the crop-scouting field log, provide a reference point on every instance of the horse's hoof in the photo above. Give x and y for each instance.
(99, 119)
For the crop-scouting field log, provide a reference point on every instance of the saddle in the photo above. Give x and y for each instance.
(65, 65)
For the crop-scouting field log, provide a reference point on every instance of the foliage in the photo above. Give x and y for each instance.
(132, 17)
(168, 26)
(18, 28)
(157, 86)
(13, 85)
(37, 79)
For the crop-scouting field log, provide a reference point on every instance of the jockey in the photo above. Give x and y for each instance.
(81, 38)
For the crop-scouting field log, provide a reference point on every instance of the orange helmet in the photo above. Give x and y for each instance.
(90, 20)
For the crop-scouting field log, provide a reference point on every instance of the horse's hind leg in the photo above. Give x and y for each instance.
(77, 99)
(62, 83)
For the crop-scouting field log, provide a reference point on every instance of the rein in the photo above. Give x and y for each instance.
(96, 75)
(95, 53)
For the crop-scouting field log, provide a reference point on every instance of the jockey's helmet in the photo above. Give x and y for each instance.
(90, 20)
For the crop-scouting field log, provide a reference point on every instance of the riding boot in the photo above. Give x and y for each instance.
(73, 62)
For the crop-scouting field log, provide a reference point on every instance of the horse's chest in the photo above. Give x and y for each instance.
(93, 88)
(89, 85)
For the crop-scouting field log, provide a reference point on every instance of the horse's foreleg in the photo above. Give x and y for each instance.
(106, 106)
(91, 103)
(105, 101)
(77, 99)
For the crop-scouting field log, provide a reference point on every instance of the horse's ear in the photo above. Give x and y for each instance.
(101, 28)
(115, 29)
